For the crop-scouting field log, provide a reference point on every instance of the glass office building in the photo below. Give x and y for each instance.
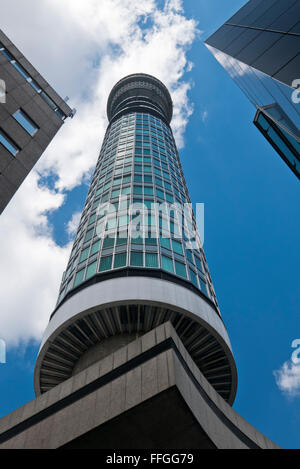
(260, 49)
(137, 260)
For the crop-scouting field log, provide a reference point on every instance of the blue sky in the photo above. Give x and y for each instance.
(251, 232)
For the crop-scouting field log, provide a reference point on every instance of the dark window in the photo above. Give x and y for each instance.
(288, 19)
(224, 36)
(8, 143)
(25, 121)
(296, 29)
(247, 36)
(288, 73)
(245, 11)
(273, 14)
(278, 55)
(258, 47)
(258, 12)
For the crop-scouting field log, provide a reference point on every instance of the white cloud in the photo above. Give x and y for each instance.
(83, 49)
(73, 224)
(204, 116)
(288, 379)
(31, 263)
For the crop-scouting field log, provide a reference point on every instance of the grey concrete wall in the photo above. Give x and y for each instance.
(102, 350)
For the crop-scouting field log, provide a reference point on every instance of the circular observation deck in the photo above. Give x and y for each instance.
(124, 306)
(140, 92)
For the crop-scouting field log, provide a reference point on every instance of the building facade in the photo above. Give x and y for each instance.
(259, 47)
(31, 113)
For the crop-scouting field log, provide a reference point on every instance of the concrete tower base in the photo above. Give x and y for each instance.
(147, 394)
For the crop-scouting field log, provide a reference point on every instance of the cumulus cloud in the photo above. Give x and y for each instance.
(82, 49)
(288, 379)
(72, 225)
(128, 46)
(31, 262)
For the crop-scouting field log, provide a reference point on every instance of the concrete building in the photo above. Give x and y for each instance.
(31, 113)
(259, 47)
(148, 394)
(136, 354)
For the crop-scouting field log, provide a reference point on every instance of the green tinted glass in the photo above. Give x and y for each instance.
(91, 270)
(105, 263)
(167, 264)
(151, 260)
(136, 259)
(120, 260)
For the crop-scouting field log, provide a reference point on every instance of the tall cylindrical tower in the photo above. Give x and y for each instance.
(137, 261)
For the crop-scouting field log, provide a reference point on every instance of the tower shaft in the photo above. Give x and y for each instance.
(137, 260)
